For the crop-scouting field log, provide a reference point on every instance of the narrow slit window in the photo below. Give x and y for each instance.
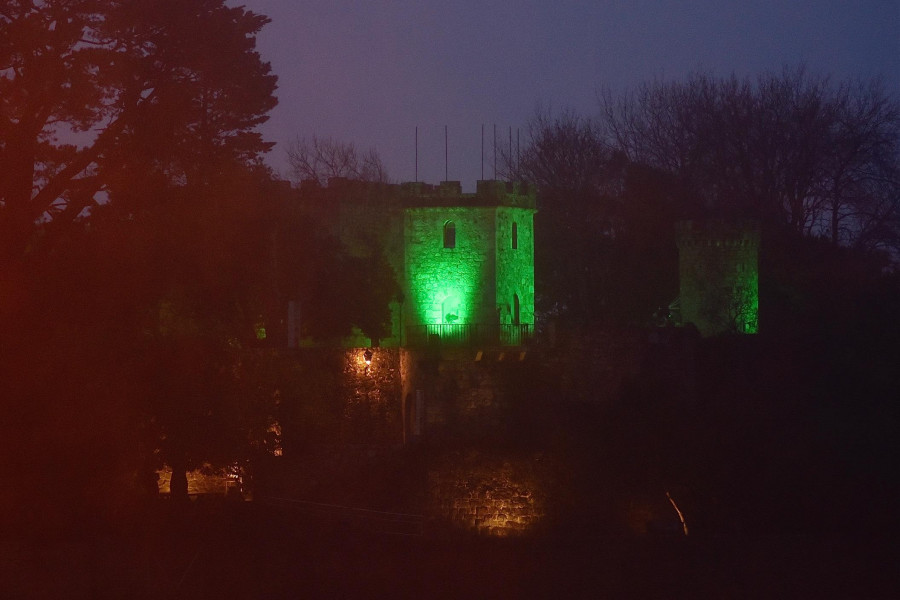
(515, 236)
(449, 235)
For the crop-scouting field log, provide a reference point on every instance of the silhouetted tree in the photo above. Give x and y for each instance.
(320, 159)
(334, 289)
(604, 224)
(794, 151)
(218, 263)
(118, 123)
(103, 94)
(206, 255)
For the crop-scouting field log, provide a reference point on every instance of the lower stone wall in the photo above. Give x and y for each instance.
(204, 481)
(594, 365)
(463, 391)
(487, 496)
(372, 404)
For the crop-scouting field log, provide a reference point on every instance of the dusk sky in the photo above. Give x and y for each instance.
(370, 72)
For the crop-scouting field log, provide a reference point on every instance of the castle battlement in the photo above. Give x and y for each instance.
(489, 192)
(718, 275)
(717, 233)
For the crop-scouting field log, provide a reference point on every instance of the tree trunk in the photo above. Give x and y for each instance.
(178, 484)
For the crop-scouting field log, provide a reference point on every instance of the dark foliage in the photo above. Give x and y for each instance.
(799, 154)
(143, 252)
(101, 95)
(789, 150)
(604, 226)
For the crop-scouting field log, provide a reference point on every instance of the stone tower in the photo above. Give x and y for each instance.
(468, 263)
(718, 270)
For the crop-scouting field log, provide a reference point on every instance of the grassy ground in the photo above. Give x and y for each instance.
(243, 550)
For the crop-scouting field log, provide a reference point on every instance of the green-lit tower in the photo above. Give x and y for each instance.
(468, 264)
(718, 270)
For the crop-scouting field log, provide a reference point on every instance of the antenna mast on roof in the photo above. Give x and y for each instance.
(446, 178)
(417, 154)
(495, 151)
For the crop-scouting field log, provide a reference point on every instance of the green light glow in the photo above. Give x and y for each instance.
(445, 283)
(448, 301)
(515, 265)
(747, 291)
(482, 277)
(719, 276)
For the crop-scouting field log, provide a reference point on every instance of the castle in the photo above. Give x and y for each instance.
(464, 262)
(465, 266)
(463, 327)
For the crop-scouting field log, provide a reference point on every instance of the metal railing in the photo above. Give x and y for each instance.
(374, 521)
(468, 335)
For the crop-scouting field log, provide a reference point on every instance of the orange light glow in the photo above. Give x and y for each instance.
(499, 505)
(680, 515)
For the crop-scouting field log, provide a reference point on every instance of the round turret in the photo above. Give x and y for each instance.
(718, 269)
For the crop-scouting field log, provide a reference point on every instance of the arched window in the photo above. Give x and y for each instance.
(449, 234)
(515, 236)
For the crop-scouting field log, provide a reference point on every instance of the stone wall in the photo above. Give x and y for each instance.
(486, 495)
(515, 266)
(372, 411)
(364, 216)
(331, 396)
(595, 365)
(475, 282)
(459, 392)
(443, 281)
(719, 276)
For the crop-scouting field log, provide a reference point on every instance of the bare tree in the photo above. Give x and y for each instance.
(562, 152)
(320, 159)
(793, 149)
(863, 178)
(564, 157)
(601, 220)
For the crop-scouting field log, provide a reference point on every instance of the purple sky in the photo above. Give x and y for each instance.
(370, 72)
